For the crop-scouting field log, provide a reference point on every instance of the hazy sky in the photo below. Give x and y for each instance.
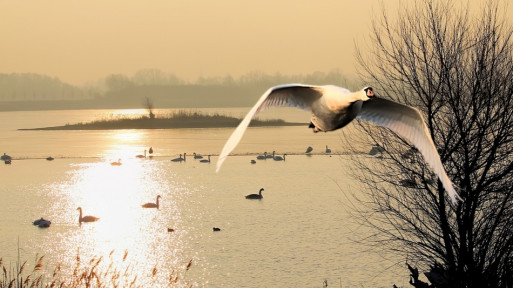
(83, 41)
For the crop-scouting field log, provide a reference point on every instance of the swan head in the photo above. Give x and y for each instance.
(368, 92)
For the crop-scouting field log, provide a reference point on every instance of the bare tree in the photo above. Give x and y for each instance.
(149, 106)
(457, 68)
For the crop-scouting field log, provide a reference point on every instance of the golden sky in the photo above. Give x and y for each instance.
(83, 41)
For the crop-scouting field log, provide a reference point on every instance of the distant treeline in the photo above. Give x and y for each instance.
(29, 91)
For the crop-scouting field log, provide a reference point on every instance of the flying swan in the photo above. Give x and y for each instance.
(334, 107)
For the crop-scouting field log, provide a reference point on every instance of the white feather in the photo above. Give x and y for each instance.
(327, 100)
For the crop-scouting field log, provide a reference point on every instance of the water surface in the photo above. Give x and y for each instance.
(300, 234)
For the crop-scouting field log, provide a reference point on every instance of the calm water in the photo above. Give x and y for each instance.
(298, 235)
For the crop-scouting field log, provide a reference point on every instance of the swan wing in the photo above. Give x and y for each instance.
(407, 122)
(288, 95)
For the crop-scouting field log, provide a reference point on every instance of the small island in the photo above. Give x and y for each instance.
(177, 120)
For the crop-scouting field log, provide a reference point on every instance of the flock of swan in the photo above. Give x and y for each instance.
(332, 108)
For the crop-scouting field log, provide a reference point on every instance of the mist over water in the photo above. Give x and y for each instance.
(298, 235)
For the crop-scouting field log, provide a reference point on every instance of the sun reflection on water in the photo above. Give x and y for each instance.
(115, 195)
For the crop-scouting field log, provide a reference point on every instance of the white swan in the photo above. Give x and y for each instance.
(116, 163)
(151, 204)
(256, 196)
(86, 218)
(141, 156)
(334, 107)
(179, 159)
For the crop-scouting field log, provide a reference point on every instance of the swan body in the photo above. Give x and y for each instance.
(49, 158)
(334, 107)
(256, 196)
(116, 163)
(179, 159)
(328, 150)
(151, 204)
(215, 229)
(279, 158)
(197, 156)
(262, 157)
(141, 156)
(86, 218)
(205, 160)
(309, 149)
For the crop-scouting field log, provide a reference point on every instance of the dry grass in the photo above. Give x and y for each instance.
(89, 274)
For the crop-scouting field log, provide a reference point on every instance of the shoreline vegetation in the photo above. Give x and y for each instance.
(94, 273)
(177, 120)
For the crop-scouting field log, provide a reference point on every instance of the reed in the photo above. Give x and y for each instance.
(88, 274)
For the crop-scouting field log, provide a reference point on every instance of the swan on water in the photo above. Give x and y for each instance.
(49, 158)
(205, 160)
(334, 107)
(262, 157)
(308, 149)
(179, 159)
(215, 229)
(86, 218)
(197, 156)
(279, 158)
(116, 163)
(151, 204)
(328, 150)
(141, 156)
(256, 196)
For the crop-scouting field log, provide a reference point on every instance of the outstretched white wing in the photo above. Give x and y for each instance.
(288, 95)
(407, 122)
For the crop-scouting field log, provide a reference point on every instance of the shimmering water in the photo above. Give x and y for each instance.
(298, 235)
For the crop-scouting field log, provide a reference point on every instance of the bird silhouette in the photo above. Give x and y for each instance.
(256, 196)
(86, 218)
(334, 107)
(151, 204)
(205, 160)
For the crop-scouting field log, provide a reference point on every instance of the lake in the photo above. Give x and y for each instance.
(299, 235)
